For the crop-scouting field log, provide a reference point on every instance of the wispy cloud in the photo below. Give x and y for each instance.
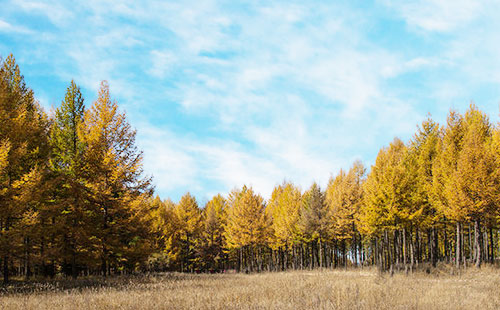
(439, 15)
(225, 94)
(56, 12)
(9, 28)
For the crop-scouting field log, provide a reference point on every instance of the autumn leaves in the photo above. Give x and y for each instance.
(432, 199)
(72, 193)
(73, 200)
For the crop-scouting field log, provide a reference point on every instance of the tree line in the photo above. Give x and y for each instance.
(432, 199)
(74, 200)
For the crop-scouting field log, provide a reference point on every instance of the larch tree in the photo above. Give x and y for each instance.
(158, 214)
(494, 216)
(422, 212)
(344, 195)
(190, 225)
(68, 189)
(284, 210)
(443, 174)
(214, 219)
(23, 145)
(247, 227)
(474, 185)
(314, 222)
(171, 227)
(114, 174)
(387, 206)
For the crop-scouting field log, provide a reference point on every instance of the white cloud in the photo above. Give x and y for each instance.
(57, 13)
(7, 27)
(282, 91)
(438, 15)
(161, 63)
(166, 157)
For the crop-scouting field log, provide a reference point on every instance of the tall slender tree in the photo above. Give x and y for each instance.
(284, 207)
(114, 174)
(189, 216)
(23, 141)
(314, 222)
(344, 196)
(473, 186)
(214, 219)
(247, 226)
(68, 187)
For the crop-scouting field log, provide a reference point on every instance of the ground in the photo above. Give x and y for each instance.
(327, 289)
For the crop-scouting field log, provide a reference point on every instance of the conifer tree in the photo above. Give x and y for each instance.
(23, 145)
(172, 233)
(190, 224)
(214, 219)
(344, 195)
(284, 211)
(422, 212)
(247, 226)
(387, 206)
(473, 185)
(443, 173)
(284, 207)
(314, 221)
(114, 174)
(67, 185)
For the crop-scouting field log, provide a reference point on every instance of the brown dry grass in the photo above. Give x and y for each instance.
(352, 289)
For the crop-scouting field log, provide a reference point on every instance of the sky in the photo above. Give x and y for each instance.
(227, 93)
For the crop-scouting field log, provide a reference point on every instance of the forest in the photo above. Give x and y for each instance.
(75, 201)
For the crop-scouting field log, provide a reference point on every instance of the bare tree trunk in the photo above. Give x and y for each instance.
(445, 245)
(388, 251)
(412, 250)
(310, 255)
(301, 256)
(240, 260)
(477, 241)
(435, 247)
(486, 249)
(472, 250)
(405, 251)
(5, 258)
(320, 253)
(418, 247)
(492, 247)
(462, 245)
(458, 252)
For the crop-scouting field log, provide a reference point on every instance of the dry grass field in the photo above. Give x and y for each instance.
(351, 289)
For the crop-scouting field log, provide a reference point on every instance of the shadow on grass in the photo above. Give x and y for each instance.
(93, 283)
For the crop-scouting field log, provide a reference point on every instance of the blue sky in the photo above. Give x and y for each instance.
(226, 93)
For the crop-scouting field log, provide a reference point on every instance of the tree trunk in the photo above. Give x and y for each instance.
(472, 250)
(458, 252)
(5, 258)
(418, 248)
(405, 251)
(477, 241)
(412, 250)
(492, 248)
(445, 245)
(435, 246)
(320, 254)
(5, 261)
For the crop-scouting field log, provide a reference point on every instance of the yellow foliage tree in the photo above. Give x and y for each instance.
(214, 220)
(284, 207)
(113, 172)
(247, 225)
(23, 155)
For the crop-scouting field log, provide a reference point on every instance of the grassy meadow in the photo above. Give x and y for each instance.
(339, 289)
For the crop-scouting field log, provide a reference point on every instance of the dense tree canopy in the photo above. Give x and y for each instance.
(74, 200)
